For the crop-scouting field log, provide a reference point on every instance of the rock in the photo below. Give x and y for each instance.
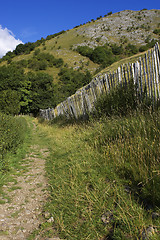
(148, 232)
(107, 217)
(46, 215)
(50, 220)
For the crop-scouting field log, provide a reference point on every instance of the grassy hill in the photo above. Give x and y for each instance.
(135, 27)
(71, 58)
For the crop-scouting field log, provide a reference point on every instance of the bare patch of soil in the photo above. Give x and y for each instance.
(22, 215)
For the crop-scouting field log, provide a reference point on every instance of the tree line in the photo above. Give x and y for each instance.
(27, 92)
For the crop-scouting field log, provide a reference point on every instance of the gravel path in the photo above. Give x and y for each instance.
(22, 214)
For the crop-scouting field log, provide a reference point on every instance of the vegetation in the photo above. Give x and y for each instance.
(70, 81)
(24, 93)
(108, 54)
(54, 35)
(104, 179)
(21, 49)
(157, 31)
(12, 134)
(103, 174)
(121, 100)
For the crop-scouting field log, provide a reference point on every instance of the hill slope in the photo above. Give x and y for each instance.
(135, 27)
(70, 57)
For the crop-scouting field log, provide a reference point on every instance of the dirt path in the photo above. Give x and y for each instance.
(22, 214)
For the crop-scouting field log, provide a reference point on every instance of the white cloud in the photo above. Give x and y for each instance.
(7, 41)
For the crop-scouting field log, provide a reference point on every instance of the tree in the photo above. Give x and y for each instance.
(102, 55)
(11, 77)
(71, 81)
(41, 91)
(9, 102)
(85, 51)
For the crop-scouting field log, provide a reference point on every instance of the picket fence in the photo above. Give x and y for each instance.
(145, 73)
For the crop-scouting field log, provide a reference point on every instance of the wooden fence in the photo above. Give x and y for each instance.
(145, 73)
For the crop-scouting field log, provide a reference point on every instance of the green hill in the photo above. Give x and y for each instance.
(71, 58)
(102, 174)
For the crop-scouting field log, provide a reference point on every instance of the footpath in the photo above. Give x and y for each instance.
(21, 213)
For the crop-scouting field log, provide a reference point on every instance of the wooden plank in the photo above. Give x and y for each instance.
(88, 102)
(93, 90)
(156, 72)
(158, 58)
(128, 79)
(113, 77)
(111, 81)
(151, 77)
(124, 73)
(144, 73)
(136, 77)
(117, 80)
(104, 84)
(107, 82)
(140, 76)
(119, 75)
(122, 80)
(148, 77)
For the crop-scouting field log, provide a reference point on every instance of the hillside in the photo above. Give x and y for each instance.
(72, 58)
(135, 27)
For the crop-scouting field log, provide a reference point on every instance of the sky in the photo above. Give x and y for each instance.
(24, 21)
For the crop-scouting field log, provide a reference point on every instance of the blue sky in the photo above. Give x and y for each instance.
(32, 19)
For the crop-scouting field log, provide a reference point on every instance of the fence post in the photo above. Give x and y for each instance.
(107, 81)
(156, 70)
(124, 73)
(119, 75)
(144, 73)
(153, 74)
(140, 75)
(150, 68)
(127, 73)
(147, 73)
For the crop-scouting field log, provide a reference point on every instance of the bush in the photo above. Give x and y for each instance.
(85, 51)
(131, 49)
(157, 31)
(9, 102)
(143, 48)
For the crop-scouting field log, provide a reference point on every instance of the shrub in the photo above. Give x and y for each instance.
(131, 49)
(85, 51)
(143, 48)
(157, 31)
(9, 102)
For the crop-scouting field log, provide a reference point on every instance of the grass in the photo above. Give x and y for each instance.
(104, 177)
(13, 160)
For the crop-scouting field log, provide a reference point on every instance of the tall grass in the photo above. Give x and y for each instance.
(104, 177)
(105, 173)
(12, 134)
(121, 100)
